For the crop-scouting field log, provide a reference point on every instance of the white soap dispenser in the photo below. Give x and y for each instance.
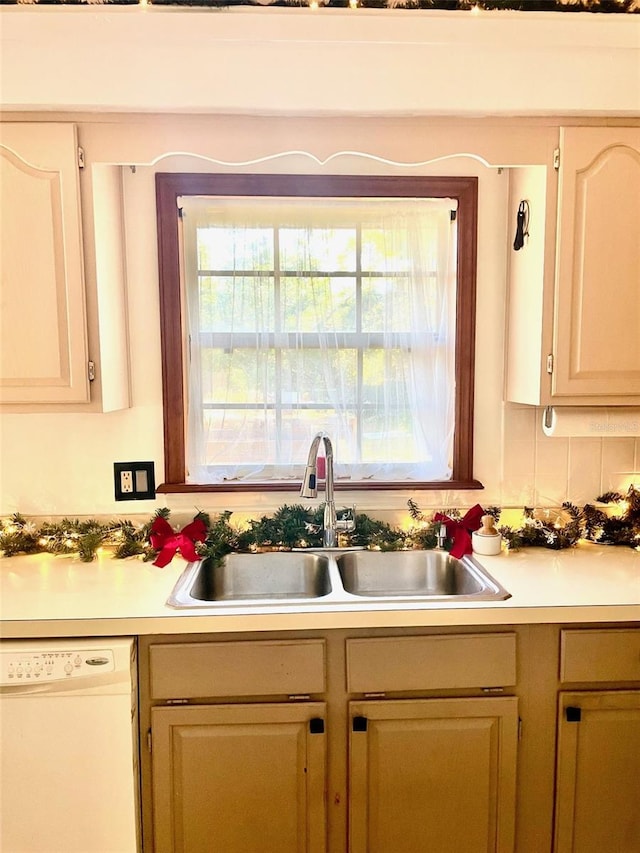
(486, 541)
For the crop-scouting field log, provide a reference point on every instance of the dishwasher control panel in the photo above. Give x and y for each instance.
(21, 666)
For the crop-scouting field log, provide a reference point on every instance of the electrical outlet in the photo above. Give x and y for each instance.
(134, 481)
(126, 482)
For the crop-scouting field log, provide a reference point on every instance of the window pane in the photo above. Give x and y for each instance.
(320, 376)
(388, 437)
(220, 248)
(238, 376)
(385, 379)
(318, 249)
(298, 427)
(385, 250)
(318, 304)
(386, 305)
(239, 437)
(236, 303)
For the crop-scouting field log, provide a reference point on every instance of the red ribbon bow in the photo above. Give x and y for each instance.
(167, 542)
(460, 531)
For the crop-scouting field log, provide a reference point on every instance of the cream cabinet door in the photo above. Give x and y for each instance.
(598, 775)
(239, 778)
(597, 306)
(433, 775)
(43, 356)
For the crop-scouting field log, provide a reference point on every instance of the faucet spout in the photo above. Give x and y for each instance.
(309, 488)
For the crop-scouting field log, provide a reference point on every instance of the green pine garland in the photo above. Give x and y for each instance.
(297, 526)
(609, 6)
(562, 530)
(623, 529)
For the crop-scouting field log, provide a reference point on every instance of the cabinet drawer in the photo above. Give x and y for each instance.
(429, 663)
(199, 670)
(600, 655)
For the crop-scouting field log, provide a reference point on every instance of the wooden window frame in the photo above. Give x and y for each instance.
(171, 185)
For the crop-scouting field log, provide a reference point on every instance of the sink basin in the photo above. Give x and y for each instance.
(427, 574)
(246, 578)
(331, 577)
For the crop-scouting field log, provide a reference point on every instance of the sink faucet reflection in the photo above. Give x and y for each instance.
(309, 487)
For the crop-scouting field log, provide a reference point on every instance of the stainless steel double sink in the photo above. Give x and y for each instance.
(333, 577)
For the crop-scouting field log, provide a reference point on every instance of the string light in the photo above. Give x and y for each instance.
(475, 7)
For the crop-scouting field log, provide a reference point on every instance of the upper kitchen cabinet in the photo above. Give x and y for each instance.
(63, 345)
(574, 297)
(597, 328)
(44, 355)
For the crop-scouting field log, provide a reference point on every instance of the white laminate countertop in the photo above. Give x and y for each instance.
(43, 595)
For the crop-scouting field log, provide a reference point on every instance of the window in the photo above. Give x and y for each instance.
(306, 303)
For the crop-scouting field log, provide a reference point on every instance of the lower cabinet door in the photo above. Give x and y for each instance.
(433, 775)
(239, 778)
(598, 774)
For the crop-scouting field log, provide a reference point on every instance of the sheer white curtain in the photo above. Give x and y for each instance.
(319, 314)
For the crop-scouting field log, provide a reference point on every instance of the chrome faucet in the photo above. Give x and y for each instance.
(309, 487)
(441, 537)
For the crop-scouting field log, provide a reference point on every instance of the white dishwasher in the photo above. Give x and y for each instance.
(69, 746)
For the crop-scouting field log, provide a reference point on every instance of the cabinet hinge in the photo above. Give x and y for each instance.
(556, 158)
(519, 728)
(80, 157)
(550, 364)
(149, 740)
(91, 370)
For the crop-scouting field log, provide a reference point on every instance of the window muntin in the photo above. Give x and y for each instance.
(277, 421)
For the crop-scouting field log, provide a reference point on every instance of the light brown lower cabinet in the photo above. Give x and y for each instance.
(347, 741)
(239, 778)
(598, 773)
(433, 775)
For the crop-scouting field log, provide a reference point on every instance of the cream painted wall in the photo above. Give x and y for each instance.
(62, 463)
(381, 82)
(295, 61)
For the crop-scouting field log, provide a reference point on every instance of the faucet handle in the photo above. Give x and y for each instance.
(346, 519)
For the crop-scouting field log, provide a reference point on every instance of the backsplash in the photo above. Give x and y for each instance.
(542, 471)
(517, 464)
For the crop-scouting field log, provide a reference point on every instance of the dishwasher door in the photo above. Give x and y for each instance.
(69, 756)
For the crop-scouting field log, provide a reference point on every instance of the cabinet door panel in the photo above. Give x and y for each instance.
(385, 664)
(195, 670)
(435, 774)
(597, 324)
(238, 779)
(44, 347)
(605, 654)
(598, 778)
